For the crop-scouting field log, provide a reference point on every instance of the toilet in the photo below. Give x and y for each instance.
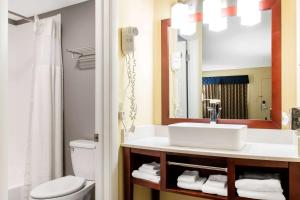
(78, 187)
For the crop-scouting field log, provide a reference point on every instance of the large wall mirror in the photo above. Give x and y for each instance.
(238, 65)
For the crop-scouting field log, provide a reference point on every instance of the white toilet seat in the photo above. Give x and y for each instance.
(62, 188)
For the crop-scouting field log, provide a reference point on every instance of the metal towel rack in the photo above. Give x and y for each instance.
(222, 169)
(85, 56)
(82, 52)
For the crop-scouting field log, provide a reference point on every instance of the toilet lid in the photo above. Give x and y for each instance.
(58, 187)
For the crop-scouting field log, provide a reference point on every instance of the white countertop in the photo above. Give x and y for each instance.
(258, 151)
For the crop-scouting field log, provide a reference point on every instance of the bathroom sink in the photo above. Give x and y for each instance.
(214, 136)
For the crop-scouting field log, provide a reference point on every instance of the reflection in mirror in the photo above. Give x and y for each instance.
(232, 65)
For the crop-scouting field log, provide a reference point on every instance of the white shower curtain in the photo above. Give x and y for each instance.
(45, 140)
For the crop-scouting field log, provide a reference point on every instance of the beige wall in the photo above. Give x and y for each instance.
(258, 78)
(289, 80)
(139, 14)
(298, 52)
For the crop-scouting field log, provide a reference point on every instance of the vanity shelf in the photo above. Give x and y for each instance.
(145, 183)
(173, 164)
(196, 194)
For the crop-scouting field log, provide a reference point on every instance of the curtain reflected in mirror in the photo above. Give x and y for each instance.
(232, 91)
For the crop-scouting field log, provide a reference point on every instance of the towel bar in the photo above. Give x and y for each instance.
(222, 169)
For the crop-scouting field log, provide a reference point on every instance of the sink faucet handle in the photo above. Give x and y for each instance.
(209, 108)
(214, 110)
(219, 113)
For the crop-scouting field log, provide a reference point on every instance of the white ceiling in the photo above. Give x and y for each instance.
(29, 8)
(238, 46)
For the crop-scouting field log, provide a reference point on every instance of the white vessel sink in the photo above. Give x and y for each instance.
(214, 136)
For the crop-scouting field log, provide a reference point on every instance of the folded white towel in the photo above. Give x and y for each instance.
(260, 176)
(188, 176)
(270, 185)
(216, 184)
(207, 188)
(219, 181)
(149, 171)
(148, 177)
(192, 186)
(261, 195)
(151, 166)
(218, 178)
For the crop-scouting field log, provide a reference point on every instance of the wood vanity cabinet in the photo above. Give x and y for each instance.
(133, 158)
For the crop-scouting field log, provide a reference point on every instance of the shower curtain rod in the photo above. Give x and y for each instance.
(15, 22)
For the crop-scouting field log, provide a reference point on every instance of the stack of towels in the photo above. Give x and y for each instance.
(260, 186)
(216, 184)
(190, 180)
(149, 172)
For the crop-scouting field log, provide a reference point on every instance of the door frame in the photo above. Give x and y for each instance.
(298, 50)
(106, 112)
(3, 94)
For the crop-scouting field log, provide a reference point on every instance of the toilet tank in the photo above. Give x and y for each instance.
(83, 155)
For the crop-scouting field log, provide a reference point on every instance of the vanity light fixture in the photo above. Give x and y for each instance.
(213, 16)
(180, 19)
(249, 11)
(188, 29)
(179, 14)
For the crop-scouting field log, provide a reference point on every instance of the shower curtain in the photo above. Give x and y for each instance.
(45, 140)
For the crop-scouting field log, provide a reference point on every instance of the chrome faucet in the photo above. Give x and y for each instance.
(214, 110)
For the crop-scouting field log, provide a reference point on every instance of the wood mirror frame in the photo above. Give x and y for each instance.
(275, 123)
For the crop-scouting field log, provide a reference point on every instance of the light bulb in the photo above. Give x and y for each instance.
(188, 29)
(249, 11)
(180, 19)
(179, 14)
(212, 15)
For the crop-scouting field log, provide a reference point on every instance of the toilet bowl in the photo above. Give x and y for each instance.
(65, 188)
(78, 187)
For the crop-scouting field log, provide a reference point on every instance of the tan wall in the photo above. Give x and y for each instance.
(139, 14)
(298, 52)
(289, 70)
(258, 77)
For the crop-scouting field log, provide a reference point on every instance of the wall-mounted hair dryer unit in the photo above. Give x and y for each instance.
(127, 46)
(128, 35)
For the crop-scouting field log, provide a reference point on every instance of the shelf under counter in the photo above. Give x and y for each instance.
(172, 164)
(196, 194)
(243, 198)
(145, 183)
(176, 190)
